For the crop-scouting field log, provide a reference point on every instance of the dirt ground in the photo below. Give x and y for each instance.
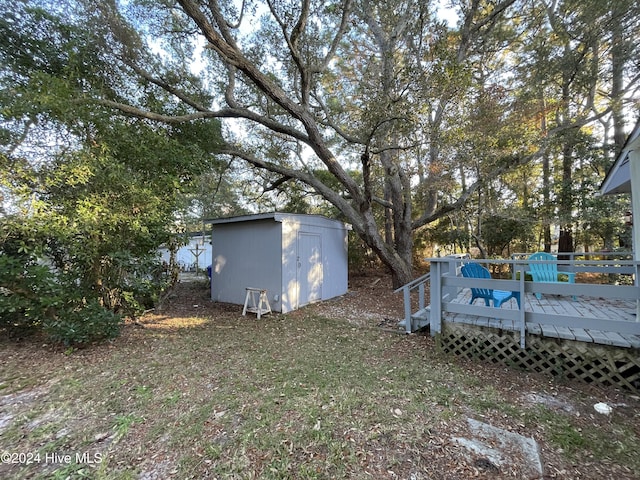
(369, 301)
(371, 304)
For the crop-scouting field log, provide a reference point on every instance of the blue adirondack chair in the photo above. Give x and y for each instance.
(548, 271)
(475, 270)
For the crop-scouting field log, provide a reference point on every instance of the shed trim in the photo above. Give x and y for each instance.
(275, 216)
(618, 178)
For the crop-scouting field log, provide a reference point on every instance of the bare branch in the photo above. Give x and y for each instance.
(464, 197)
(344, 22)
(156, 117)
(222, 23)
(292, 44)
(241, 113)
(277, 183)
(164, 85)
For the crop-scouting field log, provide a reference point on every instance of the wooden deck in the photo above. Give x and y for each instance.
(585, 307)
(594, 338)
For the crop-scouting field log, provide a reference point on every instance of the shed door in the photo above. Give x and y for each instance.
(309, 268)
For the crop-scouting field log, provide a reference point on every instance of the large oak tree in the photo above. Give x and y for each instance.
(361, 90)
(381, 108)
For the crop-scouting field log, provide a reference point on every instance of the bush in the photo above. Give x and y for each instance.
(34, 299)
(29, 293)
(83, 324)
(133, 284)
(47, 287)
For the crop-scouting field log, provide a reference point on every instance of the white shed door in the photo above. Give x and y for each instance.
(309, 268)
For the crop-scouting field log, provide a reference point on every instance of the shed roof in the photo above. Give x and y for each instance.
(618, 179)
(275, 216)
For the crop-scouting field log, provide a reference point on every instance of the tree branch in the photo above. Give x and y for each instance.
(164, 85)
(277, 183)
(231, 55)
(241, 113)
(427, 217)
(305, 177)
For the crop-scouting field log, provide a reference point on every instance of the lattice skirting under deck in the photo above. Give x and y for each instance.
(587, 362)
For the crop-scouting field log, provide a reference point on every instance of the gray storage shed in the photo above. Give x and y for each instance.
(298, 259)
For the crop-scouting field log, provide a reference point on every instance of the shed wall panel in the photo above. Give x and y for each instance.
(290, 288)
(334, 256)
(246, 255)
(335, 261)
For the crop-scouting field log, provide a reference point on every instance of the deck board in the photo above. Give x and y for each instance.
(582, 335)
(566, 333)
(599, 337)
(534, 329)
(549, 331)
(633, 340)
(587, 307)
(617, 339)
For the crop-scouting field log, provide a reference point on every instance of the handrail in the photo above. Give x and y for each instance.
(413, 283)
(573, 255)
(418, 283)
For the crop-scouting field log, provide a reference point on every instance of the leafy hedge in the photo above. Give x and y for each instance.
(82, 324)
(34, 299)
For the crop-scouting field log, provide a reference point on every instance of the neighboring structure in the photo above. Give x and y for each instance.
(196, 252)
(298, 259)
(624, 177)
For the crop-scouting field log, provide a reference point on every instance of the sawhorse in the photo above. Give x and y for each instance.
(259, 306)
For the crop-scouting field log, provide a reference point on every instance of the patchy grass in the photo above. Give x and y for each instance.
(207, 393)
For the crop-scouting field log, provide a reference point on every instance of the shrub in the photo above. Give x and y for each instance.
(29, 293)
(47, 286)
(33, 299)
(82, 324)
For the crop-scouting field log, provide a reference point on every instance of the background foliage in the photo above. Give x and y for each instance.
(126, 124)
(88, 196)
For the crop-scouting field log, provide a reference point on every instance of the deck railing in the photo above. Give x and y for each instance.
(420, 284)
(614, 263)
(573, 256)
(445, 281)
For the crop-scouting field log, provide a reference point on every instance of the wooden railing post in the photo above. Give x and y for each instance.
(419, 284)
(449, 268)
(406, 293)
(523, 298)
(436, 297)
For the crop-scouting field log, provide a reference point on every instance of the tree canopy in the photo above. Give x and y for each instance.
(405, 124)
(88, 195)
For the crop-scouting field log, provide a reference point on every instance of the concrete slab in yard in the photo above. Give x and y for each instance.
(500, 449)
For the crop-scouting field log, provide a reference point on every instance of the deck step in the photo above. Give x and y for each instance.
(419, 319)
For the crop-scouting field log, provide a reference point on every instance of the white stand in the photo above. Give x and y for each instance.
(258, 307)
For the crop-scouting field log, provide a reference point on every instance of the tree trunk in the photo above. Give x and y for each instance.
(565, 241)
(617, 75)
(547, 208)
(400, 267)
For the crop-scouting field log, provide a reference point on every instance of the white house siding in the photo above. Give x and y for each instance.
(185, 257)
